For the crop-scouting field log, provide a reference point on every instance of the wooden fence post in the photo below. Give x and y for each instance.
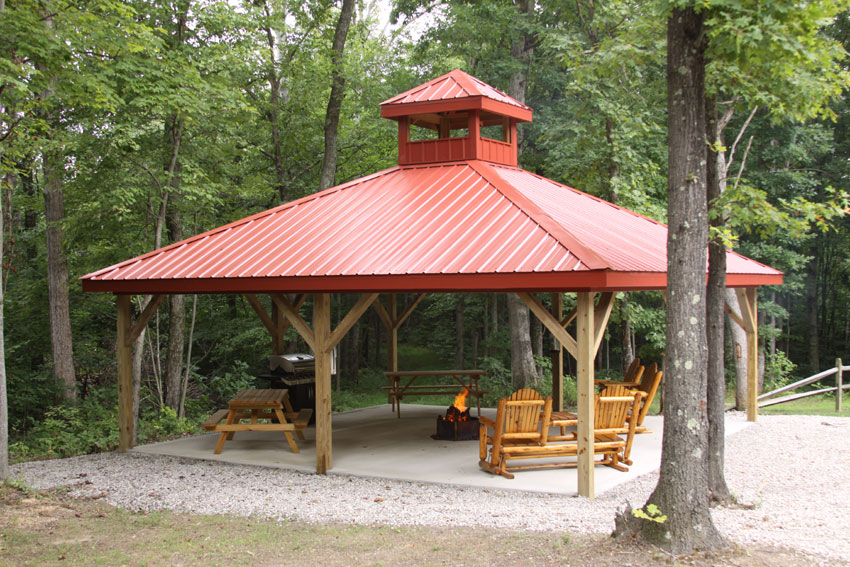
(839, 383)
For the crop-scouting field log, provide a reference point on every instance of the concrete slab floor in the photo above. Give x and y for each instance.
(373, 442)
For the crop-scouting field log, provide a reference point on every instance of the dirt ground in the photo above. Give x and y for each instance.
(51, 528)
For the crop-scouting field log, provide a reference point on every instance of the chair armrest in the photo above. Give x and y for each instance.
(487, 421)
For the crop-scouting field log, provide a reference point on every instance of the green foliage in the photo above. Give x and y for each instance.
(777, 371)
(68, 430)
(223, 387)
(163, 423)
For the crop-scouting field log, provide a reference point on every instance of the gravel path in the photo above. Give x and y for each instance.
(795, 470)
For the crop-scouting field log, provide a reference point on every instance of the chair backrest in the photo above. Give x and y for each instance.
(649, 385)
(631, 374)
(613, 407)
(519, 416)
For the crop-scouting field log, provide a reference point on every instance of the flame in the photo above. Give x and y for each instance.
(459, 401)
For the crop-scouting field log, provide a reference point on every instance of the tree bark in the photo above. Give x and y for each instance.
(57, 274)
(337, 94)
(739, 352)
(536, 332)
(522, 359)
(4, 402)
(715, 314)
(523, 372)
(812, 270)
(682, 490)
(177, 302)
(53, 166)
(459, 331)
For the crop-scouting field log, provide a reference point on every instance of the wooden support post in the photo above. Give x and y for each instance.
(392, 336)
(322, 351)
(747, 298)
(392, 322)
(839, 384)
(586, 399)
(280, 324)
(557, 357)
(124, 357)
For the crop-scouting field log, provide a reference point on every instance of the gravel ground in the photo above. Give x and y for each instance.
(793, 470)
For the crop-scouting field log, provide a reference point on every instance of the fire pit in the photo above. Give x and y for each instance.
(457, 424)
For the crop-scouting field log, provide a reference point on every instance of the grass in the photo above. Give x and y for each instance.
(47, 529)
(816, 405)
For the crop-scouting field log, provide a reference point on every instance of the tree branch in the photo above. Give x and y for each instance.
(738, 139)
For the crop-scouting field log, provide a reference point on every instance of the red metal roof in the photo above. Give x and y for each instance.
(454, 91)
(461, 226)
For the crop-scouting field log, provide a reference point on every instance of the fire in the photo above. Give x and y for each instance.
(460, 400)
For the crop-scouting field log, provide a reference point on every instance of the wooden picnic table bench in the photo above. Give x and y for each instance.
(401, 384)
(270, 405)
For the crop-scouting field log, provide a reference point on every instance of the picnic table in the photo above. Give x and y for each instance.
(400, 384)
(270, 405)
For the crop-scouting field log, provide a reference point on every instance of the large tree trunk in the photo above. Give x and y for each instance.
(739, 352)
(177, 303)
(812, 270)
(682, 490)
(4, 407)
(57, 274)
(459, 331)
(53, 166)
(522, 359)
(337, 94)
(273, 111)
(715, 315)
(523, 372)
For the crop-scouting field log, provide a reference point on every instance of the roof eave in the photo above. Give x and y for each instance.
(398, 110)
(590, 280)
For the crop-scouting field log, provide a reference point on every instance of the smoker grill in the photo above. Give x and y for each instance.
(296, 373)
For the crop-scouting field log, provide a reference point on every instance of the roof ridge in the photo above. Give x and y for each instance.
(240, 222)
(460, 77)
(567, 239)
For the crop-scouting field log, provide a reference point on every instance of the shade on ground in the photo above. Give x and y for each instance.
(373, 442)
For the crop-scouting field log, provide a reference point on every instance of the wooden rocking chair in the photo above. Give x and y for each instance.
(615, 414)
(518, 431)
(649, 386)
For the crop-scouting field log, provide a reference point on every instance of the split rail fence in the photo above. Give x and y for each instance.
(839, 387)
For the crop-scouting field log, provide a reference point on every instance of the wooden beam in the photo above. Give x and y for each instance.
(351, 318)
(734, 316)
(748, 311)
(322, 334)
(569, 318)
(557, 356)
(392, 336)
(747, 298)
(124, 358)
(142, 320)
(586, 353)
(409, 310)
(261, 313)
(291, 313)
(281, 324)
(601, 315)
(378, 305)
(550, 322)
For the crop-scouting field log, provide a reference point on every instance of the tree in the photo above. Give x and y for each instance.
(745, 41)
(326, 179)
(682, 491)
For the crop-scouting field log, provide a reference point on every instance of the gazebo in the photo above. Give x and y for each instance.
(456, 215)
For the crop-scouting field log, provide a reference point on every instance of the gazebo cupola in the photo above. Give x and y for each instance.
(456, 117)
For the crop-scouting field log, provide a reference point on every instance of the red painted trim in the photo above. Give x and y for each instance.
(467, 103)
(601, 280)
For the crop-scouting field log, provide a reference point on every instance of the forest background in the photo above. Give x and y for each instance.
(125, 126)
